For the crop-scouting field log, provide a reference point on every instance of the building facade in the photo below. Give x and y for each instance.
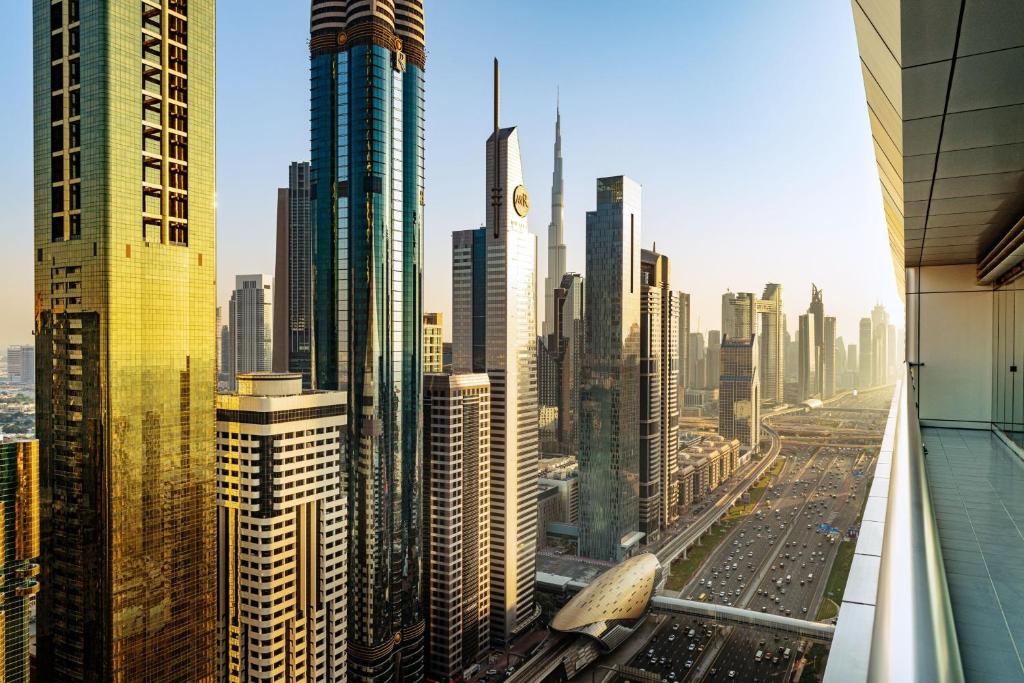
(684, 346)
(433, 343)
(282, 532)
(125, 302)
(772, 344)
(739, 397)
(251, 313)
(808, 364)
(367, 61)
(866, 371)
(556, 234)
(828, 362)
(456, 521)
(494, 313)
(609, 457)
(563, 355)
(19, 512)
(293, 276)
(879, 346)
(21, 364)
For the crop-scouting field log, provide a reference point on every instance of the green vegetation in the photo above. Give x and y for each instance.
(815, 667)
(827, 610)
(836, 584)
(683, 570)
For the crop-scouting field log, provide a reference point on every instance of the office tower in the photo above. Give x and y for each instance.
(609, 397)
(251, 312)
(494, 312)
(125, 272)
(293, 276)
(817, 308)
(21, 364)
(563, 355)
(281, 532)
(866, 370)
(224, 354)
(739, 316)
(791, 366)
(828, 363)
(739, 398)
(808, 366)
(659, 401)
(367, 63)
(456, 521)
(890, 353)
(879, 345)
(19, 510)
(852, 362)
(684, 346)
(772, 344)
(219, 353)
(433, 344)
(697, 378)
(714, 359)
(841, 362)
(556, 233)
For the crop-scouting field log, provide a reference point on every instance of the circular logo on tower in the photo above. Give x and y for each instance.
(342, 39)
(521, 200)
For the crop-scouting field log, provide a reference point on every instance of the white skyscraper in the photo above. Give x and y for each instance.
(556, 232)
(281, 532)
(251, 317)
(494, 330)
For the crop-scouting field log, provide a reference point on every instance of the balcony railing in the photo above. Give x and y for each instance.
(895, 623)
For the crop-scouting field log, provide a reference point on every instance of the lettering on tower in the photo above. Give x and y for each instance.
(521, 200)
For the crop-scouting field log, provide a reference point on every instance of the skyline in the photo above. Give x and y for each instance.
(800, 169)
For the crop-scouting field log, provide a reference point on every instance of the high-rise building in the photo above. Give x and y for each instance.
(739, 398)
(808, 366)
(890, 353)
(771, 343)
(609, 402)
(817, 309)
(828, 364)
(556, 233)
(494, 313)
(563, 354)
(224, 355)
(433, 343)
(19, 510)
(21, 364)
(714, 359)
(293, 276)
(367, 61)
(791, 366)
(281, 532)
(684, 346)
(659, 401)
(220, 341)
(841, 361)
(739, 315)
(696, 362)
(456, 521)
(125, 301)
(251, 313)
(866, 371)
(879, 345)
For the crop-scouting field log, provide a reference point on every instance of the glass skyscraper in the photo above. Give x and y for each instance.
(19, 519)
(609, 455)
(367, 71)
(125, 272)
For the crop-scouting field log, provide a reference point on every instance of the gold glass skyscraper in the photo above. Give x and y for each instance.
(125, 325)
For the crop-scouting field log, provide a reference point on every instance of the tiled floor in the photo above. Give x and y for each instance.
(977, 488)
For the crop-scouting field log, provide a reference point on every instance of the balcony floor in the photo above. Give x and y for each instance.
(977, 489)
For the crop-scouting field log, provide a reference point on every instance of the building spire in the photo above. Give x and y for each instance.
(556, 229)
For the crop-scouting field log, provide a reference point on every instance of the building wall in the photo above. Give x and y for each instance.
(433, 344)
(251, 311)
(651, 399)
(19, 516)
(948, 313)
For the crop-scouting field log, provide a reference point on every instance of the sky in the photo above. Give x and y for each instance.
(744, 121)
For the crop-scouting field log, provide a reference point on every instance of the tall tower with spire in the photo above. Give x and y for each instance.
(556, 231)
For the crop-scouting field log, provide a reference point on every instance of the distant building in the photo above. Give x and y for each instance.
(772, 343)
(828, 364)
(560, 361)
(293, 275)
(696, 364)
(609, 456)
(21, 364)
(879, 346)
(684, 346)
(713, 359)
(703, 466)
(807, 363)
(19, 509)
(866, 371)
(564, 475)
(282, 531)
(251, 316)
(456, 521)
(739, 398)
(433, 343)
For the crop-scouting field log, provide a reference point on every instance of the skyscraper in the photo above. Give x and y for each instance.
(739, 399)
(367, 62)
(684, 346)
(456, 521)
(817, 309)
(739, 315)
(125, 258)
(281, 532)
(696, 362)
(563, 352)
(21, 364)
(433, 344)
(251, 314)
(19, 510)
(609, 400)
(879, 345)
(659, 400)
(807, 363)
(494, 313)
(714, 359)
(866, 370)
(293, 276)
(771, 343)
(556, 232)
(828, 363)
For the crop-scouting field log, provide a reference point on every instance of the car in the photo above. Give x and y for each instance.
(675, 627)
(671, 638)
(509, 671)
(804, 610)
(732, 674)
(691, 647)
(492, 672)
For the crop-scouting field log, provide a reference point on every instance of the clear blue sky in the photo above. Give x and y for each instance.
(744, 121)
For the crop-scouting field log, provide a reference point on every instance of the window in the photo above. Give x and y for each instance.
(56, 47)
(57, 229)
(56, 107)
(57, 138)
(57, 199)
(56, 16)
(76, 226)
(56, 77)
(57, 168)
(73, 71)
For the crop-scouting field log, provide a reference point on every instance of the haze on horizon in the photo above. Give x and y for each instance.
(744, 122)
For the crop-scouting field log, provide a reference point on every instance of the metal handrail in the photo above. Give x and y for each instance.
(914, 636)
